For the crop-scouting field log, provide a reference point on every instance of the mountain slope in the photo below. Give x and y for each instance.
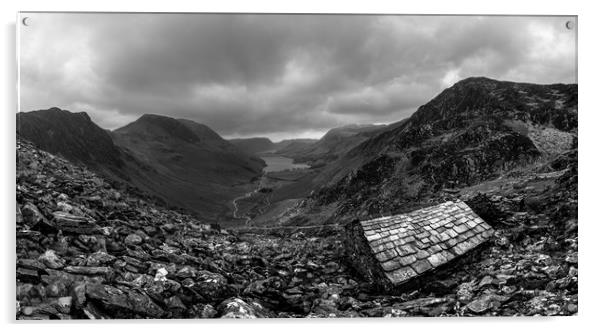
(472, 132)
(204, 170)
(291, 147)
(75, 137)
(263, 145)
(184, 163)
(333, 144)
(187, 150)
(253, 145)
(72, 135)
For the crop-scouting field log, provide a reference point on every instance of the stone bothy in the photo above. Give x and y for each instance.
(391, 251)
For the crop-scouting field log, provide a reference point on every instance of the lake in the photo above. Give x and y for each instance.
(277, 163)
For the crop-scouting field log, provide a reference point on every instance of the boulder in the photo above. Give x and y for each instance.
(28, 275)
(209, 287)
(123, 303)
(69, 223)
(237, 308)
(60, 283)
(486, 302)
(31, 215)
(51, 260)
(133, 240)
(36, 220)
(202, 311)
(174, 303)
(78, 295)
(465, 292)
(104, 271)
(99, 258)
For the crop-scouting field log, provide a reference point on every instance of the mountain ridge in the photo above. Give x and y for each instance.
(181, 162)
(471, 132)
(336, 142)
(78, 138)
(253, 145)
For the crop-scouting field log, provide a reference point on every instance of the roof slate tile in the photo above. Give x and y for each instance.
(406, 249)
(391, 265)
(422, 254)
(436, 259)
(460, 228)
(407, 260)
(422, 266)
(373, 237)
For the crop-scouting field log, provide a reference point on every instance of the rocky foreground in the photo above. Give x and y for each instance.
(87, 251)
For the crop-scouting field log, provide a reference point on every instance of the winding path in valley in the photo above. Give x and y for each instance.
(236, 212)
(247, 195)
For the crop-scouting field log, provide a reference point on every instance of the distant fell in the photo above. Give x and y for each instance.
(253, 145)
(474, 131)
(184, 163)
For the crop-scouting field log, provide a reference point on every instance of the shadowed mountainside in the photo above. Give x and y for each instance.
(72, 135)
(184, 163)
(187, 149)
(253, 145)
(263, 145)
(289, 147)
(474, 131)
(333, 144)
(328, 148)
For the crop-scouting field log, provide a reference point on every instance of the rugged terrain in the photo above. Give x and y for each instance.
(184, 163)
(475, 131)
(74, 136)
(88, 250)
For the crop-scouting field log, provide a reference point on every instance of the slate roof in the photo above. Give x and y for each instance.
(408, 245)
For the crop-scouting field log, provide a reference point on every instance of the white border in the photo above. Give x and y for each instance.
(590, 108)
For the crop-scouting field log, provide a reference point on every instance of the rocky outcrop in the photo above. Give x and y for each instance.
(144, 261)
(475, 131)
(86, 250)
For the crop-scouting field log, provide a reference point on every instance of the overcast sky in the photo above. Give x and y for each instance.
(279, 76)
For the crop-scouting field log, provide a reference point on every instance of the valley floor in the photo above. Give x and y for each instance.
(274, 194)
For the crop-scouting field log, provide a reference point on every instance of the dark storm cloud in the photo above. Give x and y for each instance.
(277, 75)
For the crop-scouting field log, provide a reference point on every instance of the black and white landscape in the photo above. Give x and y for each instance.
(241, 166)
